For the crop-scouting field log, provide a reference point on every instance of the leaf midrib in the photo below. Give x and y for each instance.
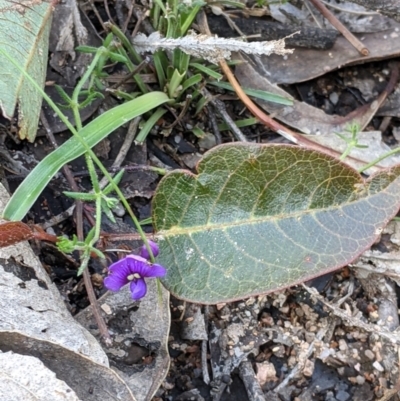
(177, 230)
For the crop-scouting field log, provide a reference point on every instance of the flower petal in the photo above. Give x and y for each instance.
(138, 265)
(145, 253)
(138, 289)
(115, 281)
(156, 271)
(118, 274)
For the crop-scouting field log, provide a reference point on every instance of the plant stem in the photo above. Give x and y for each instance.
(65, 120)
(377, 160)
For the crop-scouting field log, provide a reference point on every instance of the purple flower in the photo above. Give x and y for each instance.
(144, 253)
(133, 269)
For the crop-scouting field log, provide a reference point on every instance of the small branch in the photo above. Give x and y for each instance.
(220, 107)
(268, 121)
(204, 366)
(253, 388)
(214, 125)
(340, 27)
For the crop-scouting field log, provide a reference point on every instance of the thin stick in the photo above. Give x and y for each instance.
(220, 107)
(253, 388)
(214, 125)
(392, 337)
(268, 121)
(340, 27)
(108, 11)
(204, 367)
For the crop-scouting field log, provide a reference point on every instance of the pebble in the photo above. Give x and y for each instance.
(334, 97)
(343, 345)
(342, 395)
(369, 354)
(106, 308)
(310, 337)
(119, 210)
(308, 368)
(378, 366)
(360, 379)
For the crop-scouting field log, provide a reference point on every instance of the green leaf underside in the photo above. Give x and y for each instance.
(258, 218)
(27, 193)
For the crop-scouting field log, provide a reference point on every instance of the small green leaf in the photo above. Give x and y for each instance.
(174, 84)
(117, 179)
(259, 218)
(33, 185)
(86, 49)
(115, 57)
(107, 41)
(145, 222)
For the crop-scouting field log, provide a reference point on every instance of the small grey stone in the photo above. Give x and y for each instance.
(369, 354)
(334, 97)
(342, 395)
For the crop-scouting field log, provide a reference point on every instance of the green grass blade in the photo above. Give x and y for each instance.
(149, 125)
(207, 70)
(246, 122)
(31, 188)
(193, 80)
(263, 95)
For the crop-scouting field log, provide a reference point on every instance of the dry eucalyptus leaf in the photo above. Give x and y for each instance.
(24, 30)
(321, 126)
(139, 353)
(27, 378)
(301, 116)
(306, 64)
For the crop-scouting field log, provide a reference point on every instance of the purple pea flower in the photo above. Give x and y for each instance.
(133, 269)
(144, 253)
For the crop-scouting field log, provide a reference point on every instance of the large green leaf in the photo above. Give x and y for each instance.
(24, 28)
(257, 218)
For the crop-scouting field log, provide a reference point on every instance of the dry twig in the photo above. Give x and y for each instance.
(340, 27)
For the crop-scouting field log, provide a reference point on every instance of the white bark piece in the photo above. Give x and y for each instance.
(210, 48)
